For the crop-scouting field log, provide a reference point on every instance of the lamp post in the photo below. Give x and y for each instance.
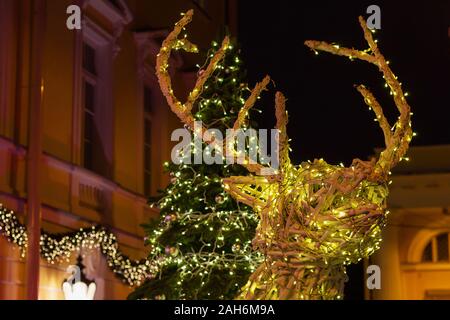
(77, 287)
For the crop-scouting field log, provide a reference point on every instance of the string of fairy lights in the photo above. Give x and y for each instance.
(219, 224)
(59, 248)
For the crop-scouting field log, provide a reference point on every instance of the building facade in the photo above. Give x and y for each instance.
(414, 257)
(84, 129)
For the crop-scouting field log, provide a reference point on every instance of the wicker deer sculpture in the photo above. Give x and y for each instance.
(315, 218)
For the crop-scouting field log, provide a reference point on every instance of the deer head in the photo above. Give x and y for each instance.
(315, 218)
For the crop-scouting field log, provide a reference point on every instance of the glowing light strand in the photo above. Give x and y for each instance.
(58, 248)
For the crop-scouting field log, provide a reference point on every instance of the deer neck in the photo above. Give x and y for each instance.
(286, 281)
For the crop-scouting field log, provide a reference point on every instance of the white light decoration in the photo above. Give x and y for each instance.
(79, 291)
(57, 248)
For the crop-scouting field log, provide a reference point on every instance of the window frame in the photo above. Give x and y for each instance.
(104, 45)
(92, 79)
(433, 241)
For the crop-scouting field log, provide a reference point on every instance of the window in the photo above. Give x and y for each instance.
(89, 105)
(437, 249)
(93, 99)
(89, 56)
(96, 112)
(147, 103)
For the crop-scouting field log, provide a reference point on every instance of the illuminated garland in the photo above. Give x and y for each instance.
(13, 230)
(58, 248)
(315, 218)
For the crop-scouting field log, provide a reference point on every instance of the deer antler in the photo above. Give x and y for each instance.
(397, 139)
(184, 111)
(283, 140)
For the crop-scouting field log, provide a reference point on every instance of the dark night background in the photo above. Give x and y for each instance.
(328, 117)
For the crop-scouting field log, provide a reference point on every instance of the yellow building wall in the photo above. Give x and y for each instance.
(57, 72)
(419, 202)
(70, 194)
(128, 140)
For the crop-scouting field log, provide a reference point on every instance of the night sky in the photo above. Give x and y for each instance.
(328, 117)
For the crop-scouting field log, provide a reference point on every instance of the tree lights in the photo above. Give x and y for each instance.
(203, 238)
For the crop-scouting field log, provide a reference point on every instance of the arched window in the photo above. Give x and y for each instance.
(437, 249)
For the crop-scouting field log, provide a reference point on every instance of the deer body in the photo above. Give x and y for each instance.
(315, 218)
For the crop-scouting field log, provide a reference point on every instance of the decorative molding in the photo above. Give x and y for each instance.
(417, 245)
(114, 14)
(148, 44)
(91, 196)
(431, 266)
(95, 33)
(9, 148)
(118, 16)
(98, 36)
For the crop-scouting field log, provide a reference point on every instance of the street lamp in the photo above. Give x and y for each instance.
(76, 287)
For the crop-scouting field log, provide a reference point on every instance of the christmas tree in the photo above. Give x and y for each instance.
(202, 242)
